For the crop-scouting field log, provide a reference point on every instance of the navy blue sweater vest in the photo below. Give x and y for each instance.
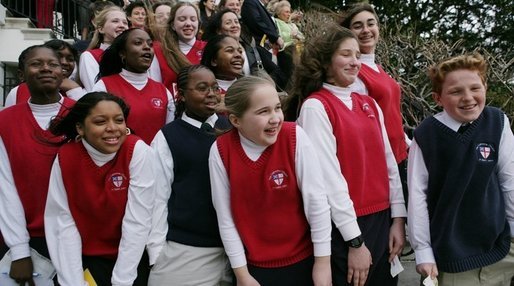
(191, 216)
(468, 225)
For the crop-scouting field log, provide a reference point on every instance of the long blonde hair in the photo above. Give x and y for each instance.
(99, 22)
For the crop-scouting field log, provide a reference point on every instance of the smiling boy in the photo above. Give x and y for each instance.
(461, 182)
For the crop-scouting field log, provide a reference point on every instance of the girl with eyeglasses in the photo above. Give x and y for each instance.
(124, 73)
(185, 235)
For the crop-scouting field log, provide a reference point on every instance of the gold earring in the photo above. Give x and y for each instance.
(78, 138)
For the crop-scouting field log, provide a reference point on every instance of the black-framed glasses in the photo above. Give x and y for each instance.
(203, 88)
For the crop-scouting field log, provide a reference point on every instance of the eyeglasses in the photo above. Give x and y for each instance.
(205, 89)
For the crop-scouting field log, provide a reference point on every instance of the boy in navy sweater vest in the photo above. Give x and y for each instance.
(461, 182)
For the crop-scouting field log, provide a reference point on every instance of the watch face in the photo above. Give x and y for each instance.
(356, 242)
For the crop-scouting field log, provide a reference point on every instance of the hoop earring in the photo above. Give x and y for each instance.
(78, 138)
(128, 131)
(123, 61)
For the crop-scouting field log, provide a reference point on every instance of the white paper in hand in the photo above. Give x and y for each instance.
(43, 274)
(396, 266)
(430, 282)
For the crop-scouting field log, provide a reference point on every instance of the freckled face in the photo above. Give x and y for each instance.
(263, 119)
(462, 95)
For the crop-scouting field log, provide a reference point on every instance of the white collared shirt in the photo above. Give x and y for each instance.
(417, 177)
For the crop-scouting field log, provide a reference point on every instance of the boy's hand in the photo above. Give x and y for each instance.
(321, 272)
(396, 238)
(359, 261)
(427, 269)
(21, 271)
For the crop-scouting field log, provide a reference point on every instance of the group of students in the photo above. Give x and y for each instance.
(196, 188)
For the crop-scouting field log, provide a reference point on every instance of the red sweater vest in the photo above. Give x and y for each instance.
(97, 196)
(148, 107)
(31, 151)
(266, 203)
(23, 93)
(169, 76)
(97, 54)
(360, 150)
(386, 91)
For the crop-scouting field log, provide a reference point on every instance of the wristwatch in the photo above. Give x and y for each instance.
(356, 242)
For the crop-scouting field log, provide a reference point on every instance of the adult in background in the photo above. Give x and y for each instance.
(136, 14)
(260, 23)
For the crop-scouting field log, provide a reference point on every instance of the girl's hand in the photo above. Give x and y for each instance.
(396, 237)
(21, 271)
(321, 272)
(359, 261)
(244, 278)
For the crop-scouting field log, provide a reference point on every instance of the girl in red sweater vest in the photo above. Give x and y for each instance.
(356, 158)
(109, 23)
(99, 206)
(372, 80)
(178, 47)
(27, 150)
(124, 73)
(268, 193)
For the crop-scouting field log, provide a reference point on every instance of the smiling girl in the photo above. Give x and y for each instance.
(224, 56)
(348, 132)
(185, 233)
(99, 206)
(362, 20)
(179, 48)
(274, 217)
(123, 72)
(111, 22)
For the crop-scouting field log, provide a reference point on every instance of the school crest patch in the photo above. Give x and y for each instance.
(485, 152)
(368, 111)
(157, 103)
(278, 179)
(118, 181)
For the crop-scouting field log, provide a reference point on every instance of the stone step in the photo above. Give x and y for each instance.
(18, 23)
(37, 34)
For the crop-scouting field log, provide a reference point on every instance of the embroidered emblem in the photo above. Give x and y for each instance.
(278, 179)
(118, 181)
(485, 152)
(368, 111)
(157, 103)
